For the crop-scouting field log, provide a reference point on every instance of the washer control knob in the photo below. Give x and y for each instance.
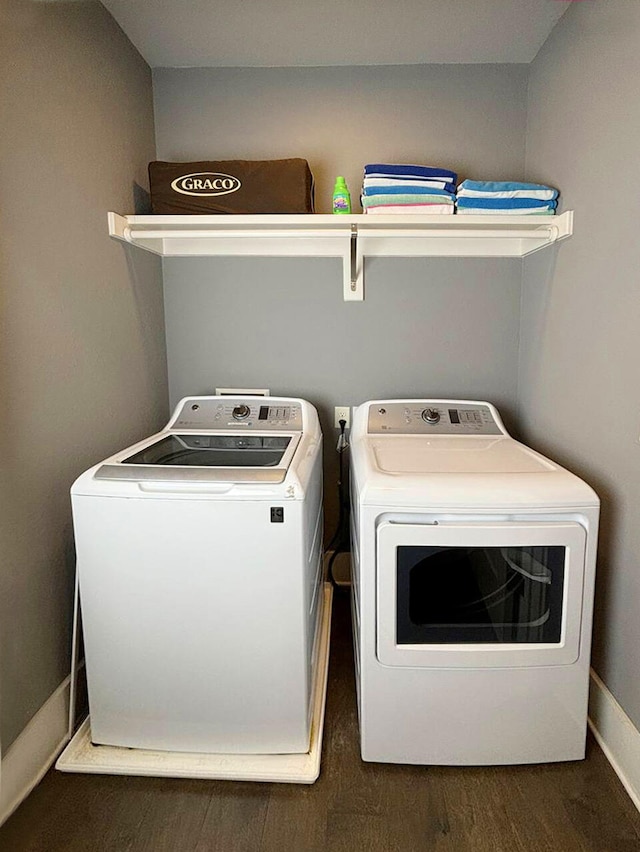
(431, 415)
(241, 412)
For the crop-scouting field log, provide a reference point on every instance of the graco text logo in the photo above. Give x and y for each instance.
(206, 183)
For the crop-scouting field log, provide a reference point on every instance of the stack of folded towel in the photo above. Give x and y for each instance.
(499, 197)
(408, 189)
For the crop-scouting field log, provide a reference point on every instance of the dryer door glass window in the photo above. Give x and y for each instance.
(479, 594)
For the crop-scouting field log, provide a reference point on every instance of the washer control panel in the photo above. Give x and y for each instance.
(243, 414)
(431, 417)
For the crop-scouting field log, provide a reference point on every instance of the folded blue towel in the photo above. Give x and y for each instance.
(406, 189)
(506, 203)
(411, 180)
(383, 169)
(504, 186)
(527, 211)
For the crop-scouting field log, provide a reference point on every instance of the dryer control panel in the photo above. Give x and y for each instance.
(242, 414)
(431, 417)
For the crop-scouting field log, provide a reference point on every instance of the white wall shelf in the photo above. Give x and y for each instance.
(350, 237)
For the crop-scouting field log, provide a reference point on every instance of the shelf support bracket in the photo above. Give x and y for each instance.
(353, 280)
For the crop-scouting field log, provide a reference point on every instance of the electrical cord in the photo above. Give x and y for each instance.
(340, 539)
(340, 451)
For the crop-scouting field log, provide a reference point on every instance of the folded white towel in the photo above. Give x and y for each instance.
(541, 194)
(378, 181)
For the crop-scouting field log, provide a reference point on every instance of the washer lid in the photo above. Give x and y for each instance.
(206, 458)
(416, 455)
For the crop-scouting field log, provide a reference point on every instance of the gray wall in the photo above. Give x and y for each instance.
(82, 368)
(82, 360)
(470, 118)
(427, 326)
(580, 362)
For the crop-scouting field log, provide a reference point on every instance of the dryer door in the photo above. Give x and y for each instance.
(479, 594)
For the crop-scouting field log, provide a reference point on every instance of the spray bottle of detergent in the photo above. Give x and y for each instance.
(341, 197)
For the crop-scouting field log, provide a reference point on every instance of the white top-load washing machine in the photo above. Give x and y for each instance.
(473, 580)
(199, 561)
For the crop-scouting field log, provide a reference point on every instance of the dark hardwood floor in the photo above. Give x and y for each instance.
(355, 807)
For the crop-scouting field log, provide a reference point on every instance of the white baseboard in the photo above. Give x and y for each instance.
(33, 752)
(617, 736)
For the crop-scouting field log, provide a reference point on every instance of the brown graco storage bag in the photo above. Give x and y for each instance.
(231, 186)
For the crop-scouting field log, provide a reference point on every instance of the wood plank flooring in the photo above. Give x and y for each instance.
(353, 807)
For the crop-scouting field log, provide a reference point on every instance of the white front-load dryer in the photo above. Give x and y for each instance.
(199, 564)
(473, 579)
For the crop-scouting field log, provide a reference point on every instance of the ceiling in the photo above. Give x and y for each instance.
(275, 33)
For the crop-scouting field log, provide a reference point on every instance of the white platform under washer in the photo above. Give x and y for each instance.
(200, 573)
(473, 578)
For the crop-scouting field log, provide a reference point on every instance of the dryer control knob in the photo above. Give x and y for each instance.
(431, 415)
(240, 412)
